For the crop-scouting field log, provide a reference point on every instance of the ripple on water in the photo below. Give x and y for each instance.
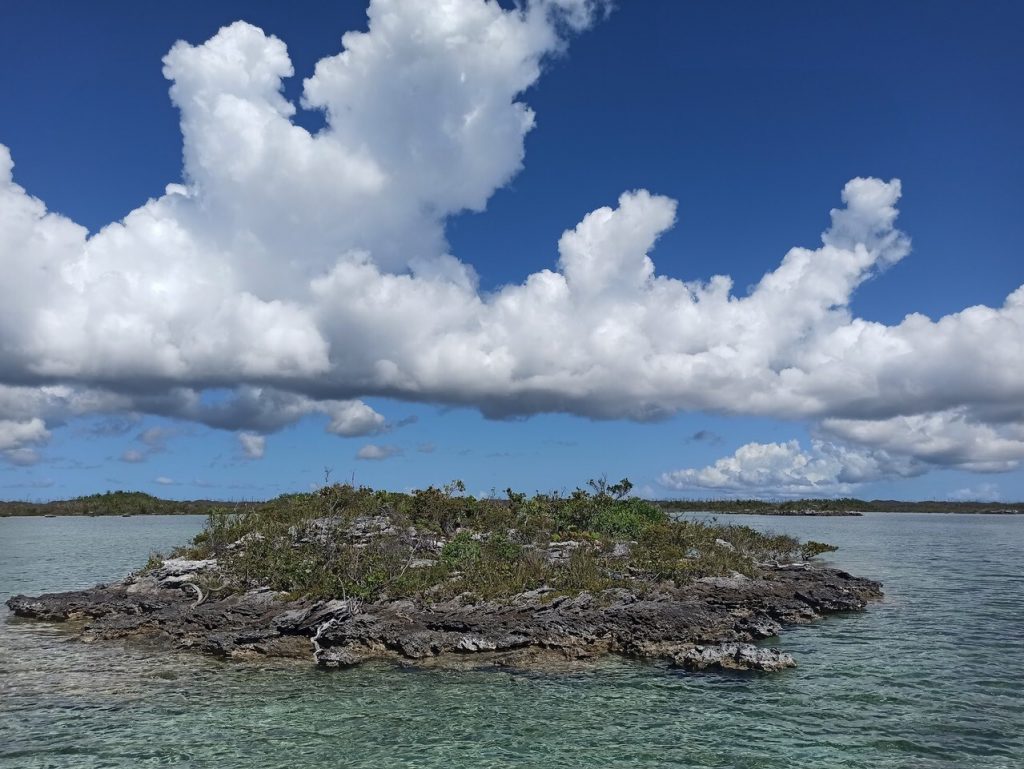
(930, 678)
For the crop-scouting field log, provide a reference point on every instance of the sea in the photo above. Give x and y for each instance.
(930, 677)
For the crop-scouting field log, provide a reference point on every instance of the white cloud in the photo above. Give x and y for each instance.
(267, 409)
(786, 469)
(984, 492)
(18, 437)
(351, 418)
(133, 456)
(299, 272)
(253, 445)
(163, 480)
(373, 451)
(56, 404)
(16, 434)
(952, 438)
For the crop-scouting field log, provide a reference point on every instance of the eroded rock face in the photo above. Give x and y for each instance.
(706, 625)
(174, 572)
(733, 656)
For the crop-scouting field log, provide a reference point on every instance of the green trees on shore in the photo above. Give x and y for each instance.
(110, 503)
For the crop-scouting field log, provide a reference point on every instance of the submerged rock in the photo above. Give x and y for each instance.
(733, 656)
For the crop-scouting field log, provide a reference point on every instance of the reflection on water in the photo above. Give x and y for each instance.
(931, 677)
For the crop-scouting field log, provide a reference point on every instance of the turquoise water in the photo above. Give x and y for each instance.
(931, 677)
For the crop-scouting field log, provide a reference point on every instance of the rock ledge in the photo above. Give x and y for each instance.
(707, 625)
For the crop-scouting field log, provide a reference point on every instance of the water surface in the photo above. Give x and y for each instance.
(931, 677)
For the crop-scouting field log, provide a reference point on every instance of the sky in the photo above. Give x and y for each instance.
(722, 249)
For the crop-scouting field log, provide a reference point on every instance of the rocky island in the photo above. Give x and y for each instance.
(347, 575)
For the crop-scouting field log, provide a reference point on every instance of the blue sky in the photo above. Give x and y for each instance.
(751, 116)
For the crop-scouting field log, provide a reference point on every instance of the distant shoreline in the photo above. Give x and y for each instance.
(839, 507)
(115, 503)
(134, 503)
(846, 514)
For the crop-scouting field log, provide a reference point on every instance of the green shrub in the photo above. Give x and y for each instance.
(300, 543)
(811, 548)
(460, 551)
(625, 518)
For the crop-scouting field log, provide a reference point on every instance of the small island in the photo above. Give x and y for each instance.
(347, 575)
(123, 503)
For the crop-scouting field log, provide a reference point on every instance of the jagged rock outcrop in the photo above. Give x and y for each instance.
(705, 625)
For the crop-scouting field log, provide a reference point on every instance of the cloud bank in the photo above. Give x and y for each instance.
(291, 273)
(786, 469)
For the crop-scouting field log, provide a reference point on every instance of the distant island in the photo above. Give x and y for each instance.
(347, 575)
(836, 507)
(130, 503)
(113, 503)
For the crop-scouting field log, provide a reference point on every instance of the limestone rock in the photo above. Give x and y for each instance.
(705, 625)
(733, 656)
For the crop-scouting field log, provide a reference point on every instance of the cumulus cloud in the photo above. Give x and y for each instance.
(163, 480)
(57, 404)
(373, 451)
(289, 274)
(952, 438)
(16, 434)
(18, 437)
(133, 456)
(787, 469)
(253, 445)
(984, 492)
(263, 409)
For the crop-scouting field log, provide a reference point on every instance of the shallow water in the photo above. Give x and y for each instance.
(933, 676)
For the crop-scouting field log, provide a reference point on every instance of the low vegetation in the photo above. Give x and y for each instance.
(345, 541)
(139, 503)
